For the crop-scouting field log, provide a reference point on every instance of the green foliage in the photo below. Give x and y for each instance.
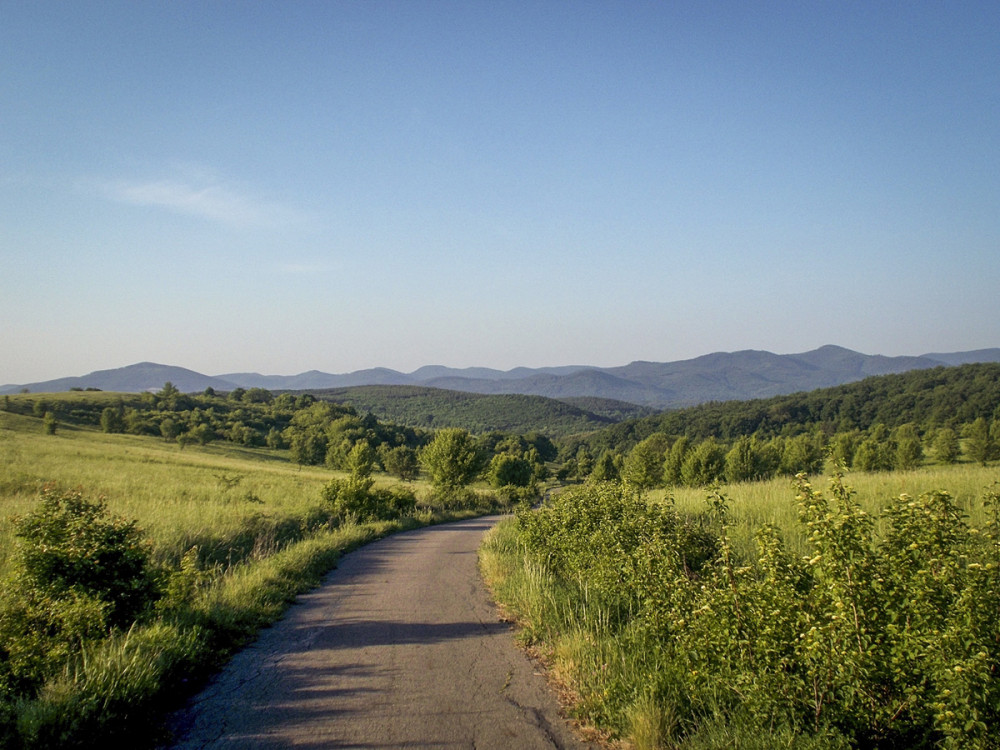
(880, 639)
(401, 461)
(803, 453)
(946, 446)
(356, 500)
(71, 545)
(605, 536)
(980, 442)
(49, 423)
(909, 448)
(608, 467)
(452, 460)
(743, 462)
(643, 465)
(78, 573)
(509, 469)
(113, 419)
(674, 461)
(704, 464)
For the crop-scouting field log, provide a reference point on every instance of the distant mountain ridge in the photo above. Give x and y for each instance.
(720, 376)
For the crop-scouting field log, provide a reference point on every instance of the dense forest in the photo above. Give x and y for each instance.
(431, 408)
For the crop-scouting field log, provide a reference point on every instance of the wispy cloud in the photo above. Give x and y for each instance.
(212, 200)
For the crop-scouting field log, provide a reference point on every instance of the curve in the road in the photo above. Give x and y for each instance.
(399, 647)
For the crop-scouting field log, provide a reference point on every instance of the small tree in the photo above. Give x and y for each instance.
(741, 461)
(643, 465)
(979, 444)
(704, 464)
(674, 461)
(169, 429)
(50, 423)
(803, 453)
(509, 470)
(909, 449)
(361, 460)
(112, 419)
(401, 462)
(946, 446)
(607, 468)
(452, 460)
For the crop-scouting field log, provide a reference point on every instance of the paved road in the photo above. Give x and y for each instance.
(400, 647)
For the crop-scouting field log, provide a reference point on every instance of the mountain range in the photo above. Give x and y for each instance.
(721, 376)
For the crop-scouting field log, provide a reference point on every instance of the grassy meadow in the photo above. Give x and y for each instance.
(232, 534)
(227, 500)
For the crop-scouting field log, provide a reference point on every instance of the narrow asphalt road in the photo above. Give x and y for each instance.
(399, 647)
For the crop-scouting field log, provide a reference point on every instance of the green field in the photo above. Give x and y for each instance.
(207, 496)
(231, 533)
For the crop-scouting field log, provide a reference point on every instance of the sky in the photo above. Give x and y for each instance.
(277, 187)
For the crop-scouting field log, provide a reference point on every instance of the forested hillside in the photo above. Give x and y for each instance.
(938, 397)
(418, 406)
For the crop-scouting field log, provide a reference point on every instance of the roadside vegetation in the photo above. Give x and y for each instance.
(699, 585)
(859, 620)
(135, 561)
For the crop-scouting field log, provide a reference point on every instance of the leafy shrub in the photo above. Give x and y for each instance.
(356, 499)
(72, 546)
(78, 573)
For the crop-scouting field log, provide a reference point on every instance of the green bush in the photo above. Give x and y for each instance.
(78, 573)
(355, 499)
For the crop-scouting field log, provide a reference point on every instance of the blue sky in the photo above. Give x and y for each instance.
(284, 186)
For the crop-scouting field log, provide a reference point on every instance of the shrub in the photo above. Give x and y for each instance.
(354, 499)
(71, 546)
(78, 573)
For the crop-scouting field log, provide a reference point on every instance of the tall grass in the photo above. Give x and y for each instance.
(754, 504)
(243, 531)
(229, 502)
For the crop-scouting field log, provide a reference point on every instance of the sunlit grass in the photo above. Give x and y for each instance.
(202, 496)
